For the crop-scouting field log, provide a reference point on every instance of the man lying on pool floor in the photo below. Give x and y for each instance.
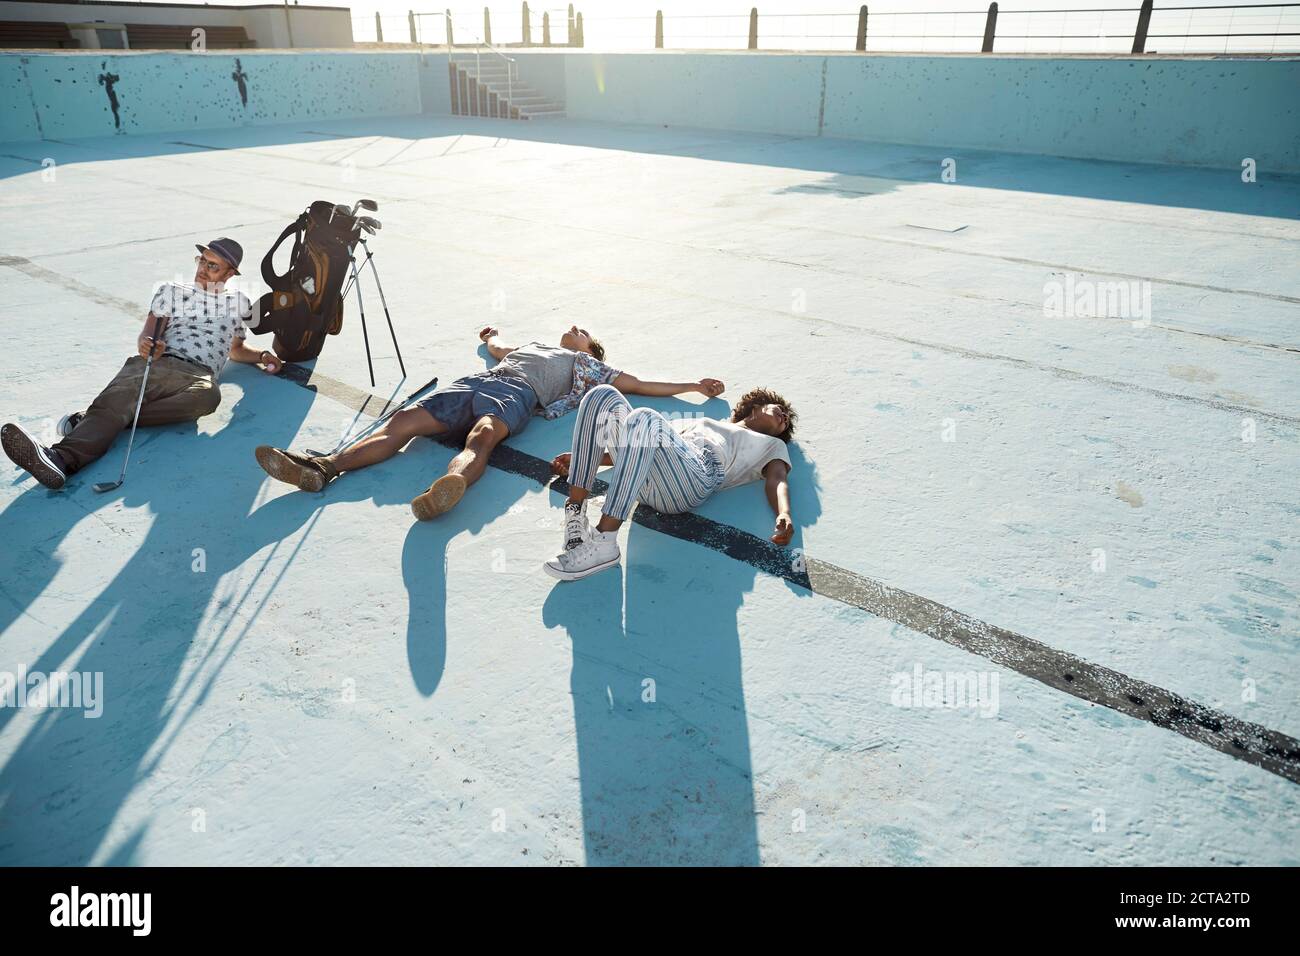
(672, 466)
(478, 412)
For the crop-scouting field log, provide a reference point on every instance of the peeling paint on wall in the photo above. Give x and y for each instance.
(239, 76)
(169, 92)
(1181, 111)
(1174, 110)
(109, 81)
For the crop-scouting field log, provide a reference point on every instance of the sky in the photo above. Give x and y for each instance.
(913, 25)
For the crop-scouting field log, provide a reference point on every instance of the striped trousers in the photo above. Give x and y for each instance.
(652, 462)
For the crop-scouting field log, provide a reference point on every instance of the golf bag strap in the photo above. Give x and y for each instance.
(295, 229)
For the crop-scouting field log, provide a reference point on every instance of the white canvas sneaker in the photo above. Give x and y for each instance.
(598, 552)
(576, 527)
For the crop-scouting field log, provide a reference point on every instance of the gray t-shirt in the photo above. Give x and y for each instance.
(201, 324)
(548, 369)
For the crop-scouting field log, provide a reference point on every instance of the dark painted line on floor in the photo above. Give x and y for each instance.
(1253, 743)
(27, 267)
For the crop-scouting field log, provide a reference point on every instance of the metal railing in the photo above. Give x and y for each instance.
(535, 27)
(1260, 28)
(478, 66)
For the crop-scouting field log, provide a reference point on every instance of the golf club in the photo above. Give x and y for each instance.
(344, 442)
(103, 486)
(369, 204)
(370, 224)
(339, 209)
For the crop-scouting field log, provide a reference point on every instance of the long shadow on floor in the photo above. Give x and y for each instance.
(424, 571)
(659, 706)
(67, 780)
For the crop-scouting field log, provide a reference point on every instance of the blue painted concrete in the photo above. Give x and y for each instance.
(753, 93)
(1188, 112)
(435, 91)
(1196, 112)
(68, 96)
(480, 686)
(18, 119)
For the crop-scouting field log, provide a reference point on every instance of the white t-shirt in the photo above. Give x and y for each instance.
(201, 324)
(744, 452)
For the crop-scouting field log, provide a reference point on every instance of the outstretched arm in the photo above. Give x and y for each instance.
(496, 348)
(631, 385)
(775, 473)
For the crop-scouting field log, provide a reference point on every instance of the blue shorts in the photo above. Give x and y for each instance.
(466, 400)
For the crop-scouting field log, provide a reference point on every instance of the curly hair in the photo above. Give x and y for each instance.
(757, 397)
(597, 349)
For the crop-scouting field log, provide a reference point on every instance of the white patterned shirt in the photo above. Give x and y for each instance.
(202, 324)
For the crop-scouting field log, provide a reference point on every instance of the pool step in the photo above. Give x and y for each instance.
(486, 85)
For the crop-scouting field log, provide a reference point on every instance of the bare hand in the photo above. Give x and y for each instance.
(487, 333)
(711, 387)
(270, 363)
(560, 464)
(144, 345)
(784, 530)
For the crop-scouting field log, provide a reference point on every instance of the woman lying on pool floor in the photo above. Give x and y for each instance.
(672, 466)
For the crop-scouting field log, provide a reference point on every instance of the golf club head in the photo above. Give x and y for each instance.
(103, 486)
(370, 223)
(369, 204)
(340, 209)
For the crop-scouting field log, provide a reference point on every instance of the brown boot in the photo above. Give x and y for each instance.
(309, 474)
(440, 498)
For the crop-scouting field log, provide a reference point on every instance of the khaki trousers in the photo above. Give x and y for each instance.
(178, 391)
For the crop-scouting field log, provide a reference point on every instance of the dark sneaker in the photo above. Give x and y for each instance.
(43, 464)
(68, 422)
(309, 474)
(440, 498)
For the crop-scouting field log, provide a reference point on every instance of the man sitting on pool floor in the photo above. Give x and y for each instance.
(203, 327)
(478, 412)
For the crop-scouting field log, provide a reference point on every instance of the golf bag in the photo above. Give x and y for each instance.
(304, 304)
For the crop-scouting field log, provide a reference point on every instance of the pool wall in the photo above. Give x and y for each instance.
(1187, 111)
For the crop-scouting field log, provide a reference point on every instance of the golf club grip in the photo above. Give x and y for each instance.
(159, 327)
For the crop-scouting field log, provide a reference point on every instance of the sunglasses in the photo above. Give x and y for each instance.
(210, 265)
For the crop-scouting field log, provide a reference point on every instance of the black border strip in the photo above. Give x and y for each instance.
(1253, 743)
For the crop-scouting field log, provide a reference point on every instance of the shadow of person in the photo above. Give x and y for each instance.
(424, 567)
(659, 707)
(33, 528)
(165, 612)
